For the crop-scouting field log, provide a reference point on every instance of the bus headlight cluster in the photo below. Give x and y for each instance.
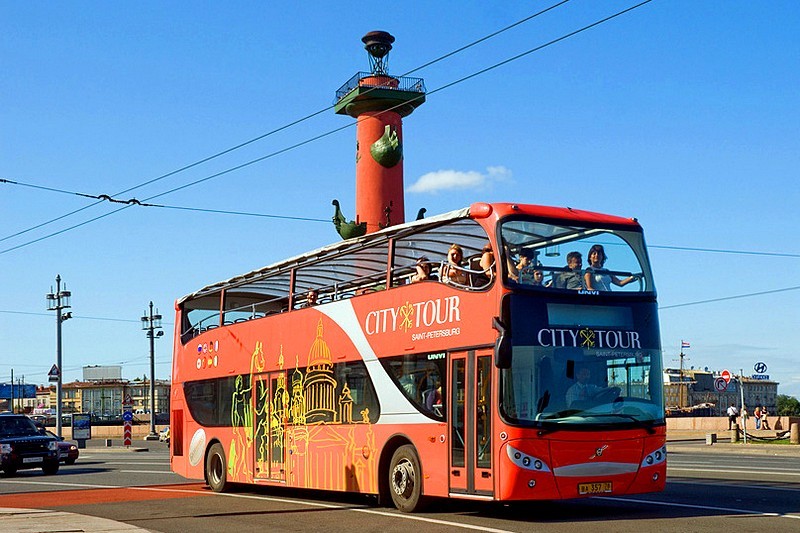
(655, 458)
(528, 462)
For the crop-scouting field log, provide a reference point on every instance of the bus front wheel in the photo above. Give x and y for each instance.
(216, 469)
(405, 479)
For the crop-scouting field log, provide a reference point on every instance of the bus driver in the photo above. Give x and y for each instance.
(582, 393)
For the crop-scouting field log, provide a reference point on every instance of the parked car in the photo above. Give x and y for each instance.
(24, 446)
(67, 451)
(163, 435)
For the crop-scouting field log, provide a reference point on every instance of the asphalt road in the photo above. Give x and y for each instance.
(705, 492)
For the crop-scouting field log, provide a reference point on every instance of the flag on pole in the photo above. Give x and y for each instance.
(685, 344)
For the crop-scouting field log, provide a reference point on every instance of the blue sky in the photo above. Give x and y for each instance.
(683, 114)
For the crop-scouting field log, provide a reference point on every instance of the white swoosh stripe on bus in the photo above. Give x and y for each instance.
(395, 407)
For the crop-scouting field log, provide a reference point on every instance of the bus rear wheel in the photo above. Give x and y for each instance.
(405, 479)
(216, 469)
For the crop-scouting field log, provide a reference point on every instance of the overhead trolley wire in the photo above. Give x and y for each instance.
(660, 308)
(134, 201)
(725, 298)
(335, 130)
(269, 133)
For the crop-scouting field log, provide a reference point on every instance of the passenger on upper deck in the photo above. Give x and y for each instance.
(571, 279)
(538, 277)
(523, 271)
(453, 271)
(487, 262)
(311, 298)
(598, 278)
(423, 271)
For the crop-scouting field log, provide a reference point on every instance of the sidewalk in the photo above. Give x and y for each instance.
(695, 441)
(45, 521)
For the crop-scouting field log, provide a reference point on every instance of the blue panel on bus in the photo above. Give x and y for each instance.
(559, 314)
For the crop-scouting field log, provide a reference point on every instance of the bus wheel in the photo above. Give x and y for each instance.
(216, 469)
(405, 479)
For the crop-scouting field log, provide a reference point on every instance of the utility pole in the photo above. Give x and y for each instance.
(12, 391)
(741, 393)
(151, 322)
(56, 301)
(21, 390)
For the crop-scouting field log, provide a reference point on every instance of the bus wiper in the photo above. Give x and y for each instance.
(641, 423)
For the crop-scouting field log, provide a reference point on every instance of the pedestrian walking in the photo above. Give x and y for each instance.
(733, 412)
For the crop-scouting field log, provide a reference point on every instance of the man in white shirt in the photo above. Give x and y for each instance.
(582, 391)
(733, 412)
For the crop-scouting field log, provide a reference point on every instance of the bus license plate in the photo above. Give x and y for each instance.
(32, 459)
(601, 487)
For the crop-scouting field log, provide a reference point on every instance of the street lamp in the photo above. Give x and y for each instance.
(56, 301)
(151, 322)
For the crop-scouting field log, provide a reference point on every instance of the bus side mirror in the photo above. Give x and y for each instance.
(502, 346)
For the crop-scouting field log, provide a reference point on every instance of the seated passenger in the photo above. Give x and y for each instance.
(409, 384)
(571, 279)
(487, 262)
(596, 277)
(514, 266)
(311, 298)
(423, 271)
(525, 270)
(538, 277)
(453, 271)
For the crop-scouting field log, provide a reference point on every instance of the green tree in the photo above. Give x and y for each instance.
(787, 405)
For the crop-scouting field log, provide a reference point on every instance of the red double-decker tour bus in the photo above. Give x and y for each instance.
(389, 365)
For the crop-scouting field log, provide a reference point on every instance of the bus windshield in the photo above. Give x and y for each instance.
(582, 387)
(558, 256)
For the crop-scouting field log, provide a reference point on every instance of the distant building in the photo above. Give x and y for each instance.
(698, 388)
(140, 394)
(105, 398)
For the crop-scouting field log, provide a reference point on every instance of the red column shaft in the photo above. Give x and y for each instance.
(377, 186)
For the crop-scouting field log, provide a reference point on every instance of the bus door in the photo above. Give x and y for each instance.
(471, 422)
(269, 425)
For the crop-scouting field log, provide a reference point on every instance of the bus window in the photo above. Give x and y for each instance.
(355, 387)
(210, 400)
(199, 315)
(547, 256)
(240, 307)
(339, 394)
(434, 243)
(421, 377)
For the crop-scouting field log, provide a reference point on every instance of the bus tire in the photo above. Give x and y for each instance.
(216, 469)
(405, 479)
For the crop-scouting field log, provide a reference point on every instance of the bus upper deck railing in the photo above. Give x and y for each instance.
(477, 280)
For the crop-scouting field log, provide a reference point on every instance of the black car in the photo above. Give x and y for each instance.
(23, 445)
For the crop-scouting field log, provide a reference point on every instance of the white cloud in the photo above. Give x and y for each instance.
(443, 180)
